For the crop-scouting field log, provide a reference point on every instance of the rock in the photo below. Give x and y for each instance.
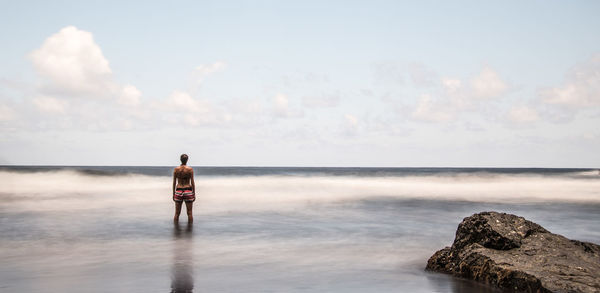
(509, 252)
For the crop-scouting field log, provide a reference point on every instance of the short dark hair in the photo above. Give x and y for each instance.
(184, 158)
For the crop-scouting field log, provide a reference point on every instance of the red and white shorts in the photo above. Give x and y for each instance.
(184, 194)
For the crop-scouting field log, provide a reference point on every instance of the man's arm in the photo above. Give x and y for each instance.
(174, 181)
(193, 184)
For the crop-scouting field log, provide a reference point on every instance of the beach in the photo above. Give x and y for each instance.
(110, 229)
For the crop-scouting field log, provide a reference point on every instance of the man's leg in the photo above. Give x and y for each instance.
(188, 207)
(177, 211)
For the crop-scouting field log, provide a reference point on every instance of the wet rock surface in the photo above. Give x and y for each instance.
(512, 253)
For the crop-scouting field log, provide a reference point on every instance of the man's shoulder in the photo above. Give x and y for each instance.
(183, 168)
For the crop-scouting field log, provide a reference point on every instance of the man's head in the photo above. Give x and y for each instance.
(184, 159)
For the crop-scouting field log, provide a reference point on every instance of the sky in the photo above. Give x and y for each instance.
(301, 83)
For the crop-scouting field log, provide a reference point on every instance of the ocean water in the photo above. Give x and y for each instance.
(110, 229)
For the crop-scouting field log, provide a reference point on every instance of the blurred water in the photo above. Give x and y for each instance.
(110, 230)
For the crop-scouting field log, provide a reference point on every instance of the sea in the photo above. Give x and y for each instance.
(265, 229)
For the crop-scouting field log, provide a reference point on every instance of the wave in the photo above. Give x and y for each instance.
(71, 189)
(587, 173)
(90, 170)
(307, 171)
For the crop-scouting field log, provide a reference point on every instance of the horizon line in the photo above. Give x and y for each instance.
(288, 166)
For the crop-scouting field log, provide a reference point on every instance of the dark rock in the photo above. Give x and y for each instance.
(512, 253)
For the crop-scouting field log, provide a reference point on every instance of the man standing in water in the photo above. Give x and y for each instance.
(183, 188)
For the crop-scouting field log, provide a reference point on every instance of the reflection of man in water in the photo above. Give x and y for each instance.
(183, 188)
(182, 273)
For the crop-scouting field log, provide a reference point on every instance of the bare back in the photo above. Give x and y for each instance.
(184, 176)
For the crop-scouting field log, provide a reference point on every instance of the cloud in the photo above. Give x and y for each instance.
(184, 106)
(431, 111)
(302, 80)
(7, 113)
(453, 89)
(581, 87)
(77, 85)
(73, 63)
(366, 92)
(246, 111)
(192, 119)
(181, 107)
(204, 70)
(350, 125)
(351, 120)
(130, 96)
(388, 73)
(454, 97)
(522, 115)
(452, 86)
(316, 88)
(422, 76)
(183, 101)
(487, 84)
(281, 107)
(321, 101)
(51, 105)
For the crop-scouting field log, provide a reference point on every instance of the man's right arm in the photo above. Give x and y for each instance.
(192, 178)
(174, 181)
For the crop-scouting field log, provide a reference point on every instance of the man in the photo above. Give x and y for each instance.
(183, 188)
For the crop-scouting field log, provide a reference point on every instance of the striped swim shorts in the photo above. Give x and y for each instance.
(184, 194)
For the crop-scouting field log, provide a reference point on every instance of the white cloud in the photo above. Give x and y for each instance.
(453, 89)
(73, 62)
(51, 105)
(451, 85)
(455, 97)
(192, 119)
(281, 107)
(130, 96)
(421, 75)
(523, 115)
(591, 136)
(196, 119)
(73, 65)
(204, 70)
(182, 101)
(321, 101)
(570, 95)
(244, 111)
(350, 125)
(487, 84)
(182, 107)
(315, 88)
(431, 111)
(7, 113)
(351, 120)
(388, 73)
(366, 92)
(303, 80)
(581, 88)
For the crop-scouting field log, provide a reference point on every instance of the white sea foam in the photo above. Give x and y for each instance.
(70, 189)
(589, 173)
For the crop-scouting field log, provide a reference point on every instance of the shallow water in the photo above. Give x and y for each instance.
(109, 229)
